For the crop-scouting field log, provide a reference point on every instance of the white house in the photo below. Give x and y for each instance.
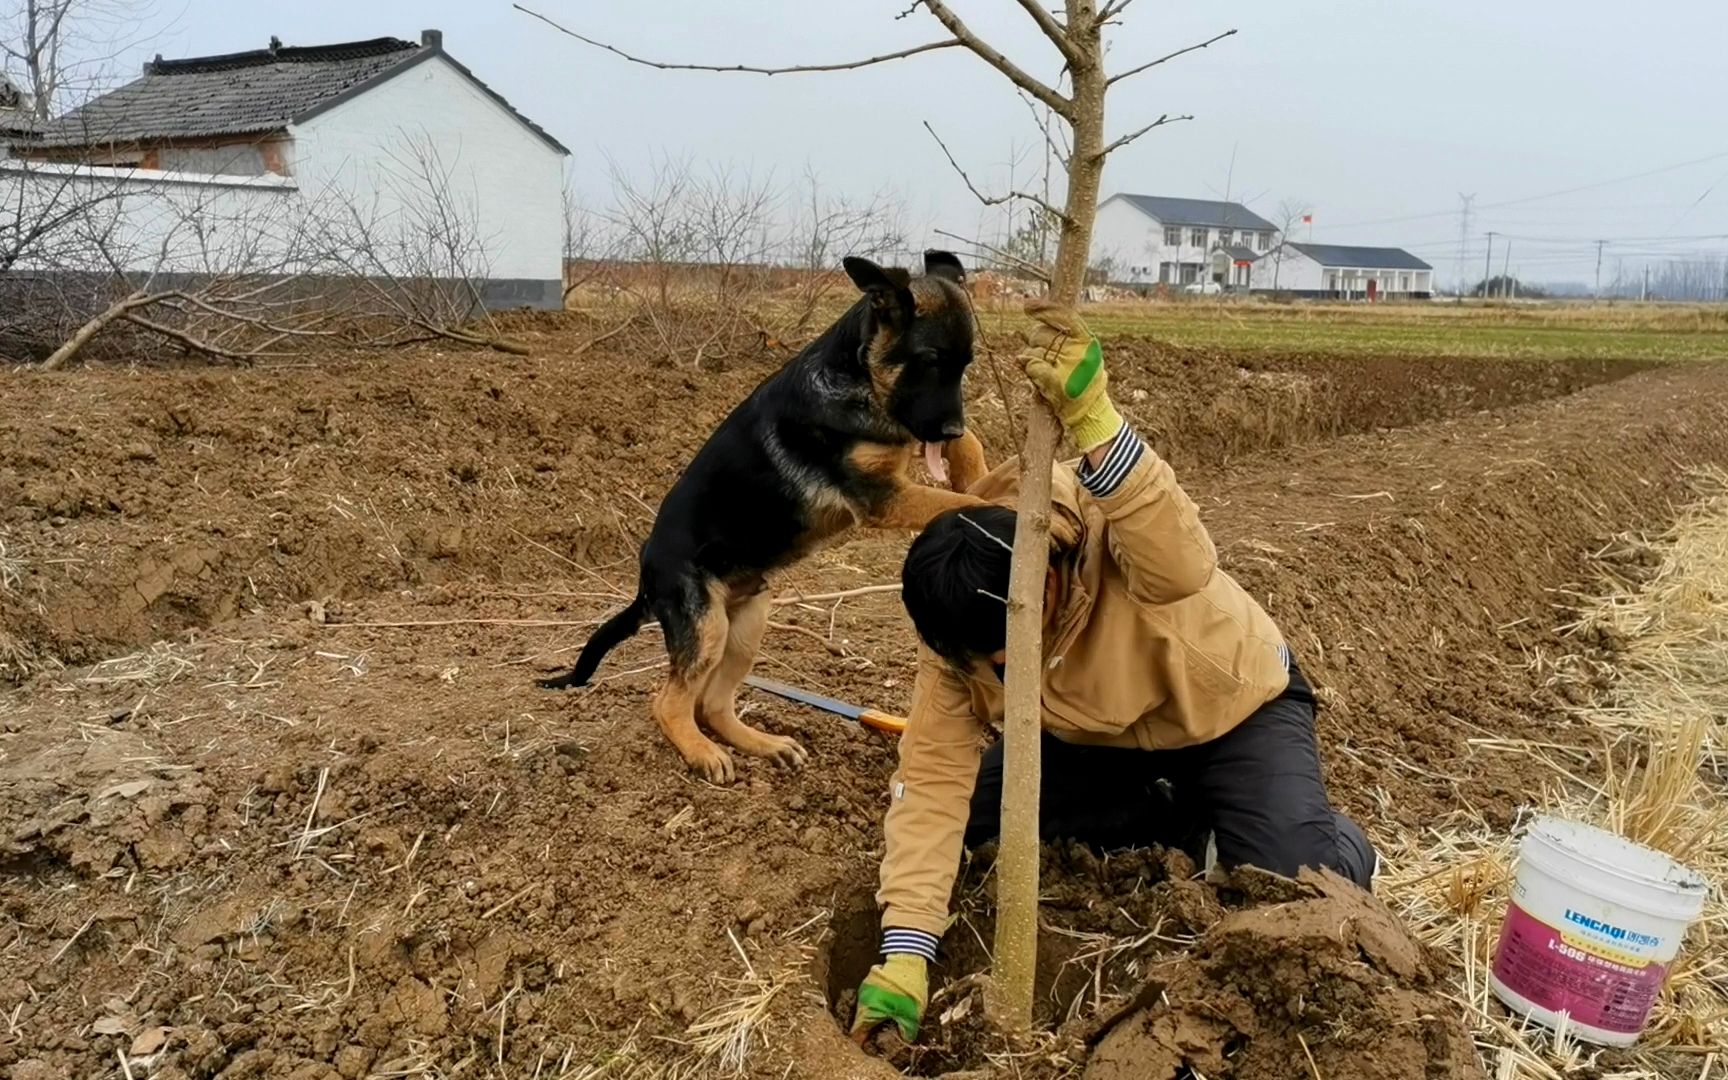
(381, 128)
(1335, 271)
(1153, 238)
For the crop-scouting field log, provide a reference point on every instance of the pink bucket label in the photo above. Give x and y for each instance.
(1598, 986)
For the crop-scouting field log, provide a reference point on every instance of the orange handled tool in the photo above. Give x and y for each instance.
(881, 721)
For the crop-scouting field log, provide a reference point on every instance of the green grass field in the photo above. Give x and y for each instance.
(1627, 332)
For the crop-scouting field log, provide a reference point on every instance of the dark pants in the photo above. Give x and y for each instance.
(1257, 789)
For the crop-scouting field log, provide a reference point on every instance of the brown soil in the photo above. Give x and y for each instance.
(290, 841)
(1329, 981)
(144, 503)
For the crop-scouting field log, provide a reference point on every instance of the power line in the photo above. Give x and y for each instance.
(1545, 195)
(1684, 214)
(1436, 243)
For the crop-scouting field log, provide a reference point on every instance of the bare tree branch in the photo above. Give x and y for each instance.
(66, 352)
(1110, 11)
(995, 200)
(800, 69)
(1058, 147)
(1063, 107)
(599, 338)
(1053, 30)
(232, 315)
(1131, 136)
(987, 251)
(1131, 72)
(191, 342)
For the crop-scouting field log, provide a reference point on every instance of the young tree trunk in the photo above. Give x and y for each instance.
(1016, 944)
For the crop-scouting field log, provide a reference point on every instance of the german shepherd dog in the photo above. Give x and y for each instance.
(823, 445)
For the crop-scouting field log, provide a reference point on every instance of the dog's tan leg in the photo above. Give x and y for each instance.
(913, 506)
(966, 464)
(746, 624)
(675, 706)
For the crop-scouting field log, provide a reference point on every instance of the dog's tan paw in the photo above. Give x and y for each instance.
(713, 764)
(784, 751)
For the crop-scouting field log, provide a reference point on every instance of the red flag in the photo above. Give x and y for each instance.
(1307, 219)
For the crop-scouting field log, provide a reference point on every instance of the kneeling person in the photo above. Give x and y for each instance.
(1172, 710)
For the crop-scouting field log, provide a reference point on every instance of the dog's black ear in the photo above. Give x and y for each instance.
(944, 264)
(889, 290)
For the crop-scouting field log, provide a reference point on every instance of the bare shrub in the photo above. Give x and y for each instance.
(149, 265)
(824, 228)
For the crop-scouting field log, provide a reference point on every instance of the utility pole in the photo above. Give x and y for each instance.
(1600, 244)
(1488, 265)
(1463, 240)
(1506, 286)
(1644, 296)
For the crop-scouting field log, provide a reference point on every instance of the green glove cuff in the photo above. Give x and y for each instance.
(876, 1004)
(1098, 426)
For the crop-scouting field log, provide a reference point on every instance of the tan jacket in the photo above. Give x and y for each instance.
(1153, 647)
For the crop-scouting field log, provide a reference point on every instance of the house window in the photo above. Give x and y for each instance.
(1172, 236)
(1197, 237)
(1190, 273)
(1265, 240)
(1167, 273)
(1225, 237)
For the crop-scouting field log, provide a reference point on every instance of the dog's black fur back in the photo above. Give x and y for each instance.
(778, 472)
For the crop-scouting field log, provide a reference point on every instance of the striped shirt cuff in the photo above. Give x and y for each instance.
(916, 942)
(1103, 481)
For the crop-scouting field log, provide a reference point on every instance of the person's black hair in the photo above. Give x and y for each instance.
(955, 579)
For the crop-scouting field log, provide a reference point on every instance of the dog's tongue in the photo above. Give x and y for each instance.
(935, 462)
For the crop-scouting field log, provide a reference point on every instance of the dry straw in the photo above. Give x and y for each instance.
(1663, 722)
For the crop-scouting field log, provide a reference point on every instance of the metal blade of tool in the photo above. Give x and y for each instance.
(870, 717)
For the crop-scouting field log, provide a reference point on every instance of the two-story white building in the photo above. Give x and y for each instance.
(1156, 239)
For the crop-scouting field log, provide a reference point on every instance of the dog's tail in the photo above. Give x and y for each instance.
(612, 632)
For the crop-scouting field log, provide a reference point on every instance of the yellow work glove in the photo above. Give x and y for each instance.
(1066, 366)
(897, 989)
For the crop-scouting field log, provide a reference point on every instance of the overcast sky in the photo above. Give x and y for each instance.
(1370, 110)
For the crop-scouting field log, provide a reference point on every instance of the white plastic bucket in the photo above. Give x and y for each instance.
(1594, 923)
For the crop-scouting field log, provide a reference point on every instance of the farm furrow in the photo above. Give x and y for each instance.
(289, 842)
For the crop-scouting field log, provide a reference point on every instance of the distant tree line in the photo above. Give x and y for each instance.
(1702, 279)
(1508, 287)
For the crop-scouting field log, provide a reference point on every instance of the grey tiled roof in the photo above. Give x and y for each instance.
(1207, 212)
(1242, 253)
(1363, 258)
(237, 94)
(246, 93)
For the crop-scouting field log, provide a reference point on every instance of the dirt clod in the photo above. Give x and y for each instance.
(1332, 976)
